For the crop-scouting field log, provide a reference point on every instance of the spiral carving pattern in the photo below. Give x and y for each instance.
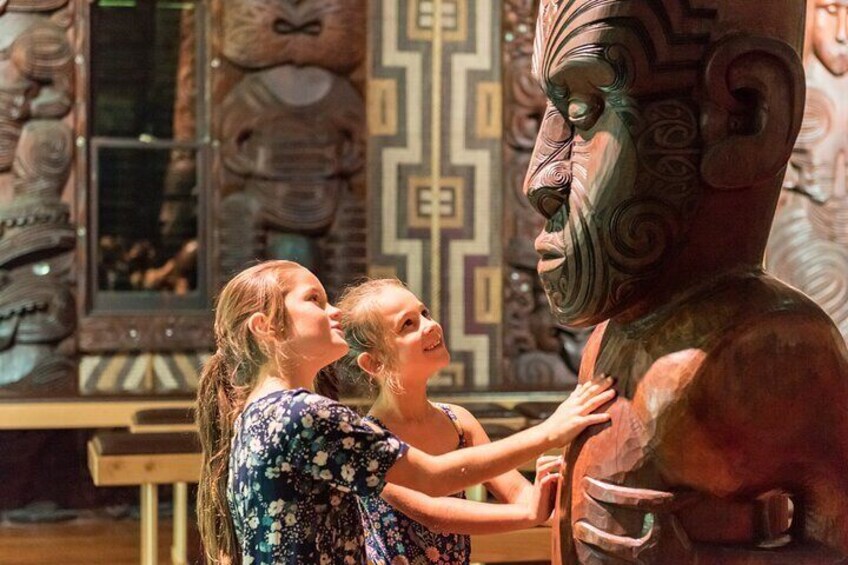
(44, 157)
(641, 233)
(817, 267)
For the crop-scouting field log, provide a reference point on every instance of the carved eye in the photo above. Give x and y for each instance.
(832, 9)
(583, 112)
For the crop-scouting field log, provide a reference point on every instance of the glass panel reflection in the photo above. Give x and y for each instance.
(147, 219)
(143, 76)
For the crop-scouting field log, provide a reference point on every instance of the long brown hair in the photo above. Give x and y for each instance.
(225, 382)
(366, 330)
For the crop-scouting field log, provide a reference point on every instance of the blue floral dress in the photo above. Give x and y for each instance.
(298, 464)
(393, 538)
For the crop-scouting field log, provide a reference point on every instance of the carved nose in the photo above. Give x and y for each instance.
(297, 17)
(548, 189)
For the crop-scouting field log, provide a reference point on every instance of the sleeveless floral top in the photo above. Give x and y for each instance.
(298, 464)
(393, 538)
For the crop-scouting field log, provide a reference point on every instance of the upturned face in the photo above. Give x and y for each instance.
(830, 35)
(615, 167)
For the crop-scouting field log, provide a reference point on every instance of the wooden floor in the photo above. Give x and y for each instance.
(83, 542)
(99, 541)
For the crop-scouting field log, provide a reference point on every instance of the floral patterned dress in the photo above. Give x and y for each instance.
(298, 464)
(393, 538)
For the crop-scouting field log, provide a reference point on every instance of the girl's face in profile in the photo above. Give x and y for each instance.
(416, 338)
(314, 325)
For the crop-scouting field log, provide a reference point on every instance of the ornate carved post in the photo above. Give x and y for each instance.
(809, 241)
(537, 351)
(290, 125)
(657, 171)
(37, 312)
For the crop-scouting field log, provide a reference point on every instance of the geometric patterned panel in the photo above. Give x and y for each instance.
(140, 373)
(434, 120)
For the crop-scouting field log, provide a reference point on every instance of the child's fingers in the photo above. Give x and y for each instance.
(547, 466)
(550, 480)
(595, 386)
(546, 459)
(596, 402)
(592, 419)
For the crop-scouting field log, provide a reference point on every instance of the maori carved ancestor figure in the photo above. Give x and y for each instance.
(292, 134)
(809, 243)
(657, 169)
(36, 237)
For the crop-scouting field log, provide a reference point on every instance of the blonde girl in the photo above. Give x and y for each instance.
(283, 466)
(395, 342)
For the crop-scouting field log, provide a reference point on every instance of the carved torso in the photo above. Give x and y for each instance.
(693, 470)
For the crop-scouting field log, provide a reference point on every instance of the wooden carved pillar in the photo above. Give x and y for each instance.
(290, 124)
(37, 312)
(538, 353)
(657, 169)
(809, 241)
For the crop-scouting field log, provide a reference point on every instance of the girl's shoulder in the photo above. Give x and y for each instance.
(284, 404)
(470, 429)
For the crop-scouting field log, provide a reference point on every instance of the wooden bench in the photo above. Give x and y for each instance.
(148, 460)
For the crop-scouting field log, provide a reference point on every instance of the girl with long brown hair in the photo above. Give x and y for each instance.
(283, 466)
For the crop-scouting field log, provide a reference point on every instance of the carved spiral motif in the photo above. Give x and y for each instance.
(42, 51)
(818, 110)
(540, 369)
(669, 145)
(815, 266)
(642, 231)
(34, 5)
(10, 132)
(44, 156)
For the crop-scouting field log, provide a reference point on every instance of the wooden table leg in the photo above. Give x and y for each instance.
(149, 524)
(179, 552)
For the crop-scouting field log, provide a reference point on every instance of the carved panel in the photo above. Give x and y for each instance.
(290, 124)
(37, 308)
(809, 241)
(538, 352)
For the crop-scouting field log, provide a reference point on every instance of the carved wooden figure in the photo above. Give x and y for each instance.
(36, 236)
(809, 243)
(657, 170)
(292, 132)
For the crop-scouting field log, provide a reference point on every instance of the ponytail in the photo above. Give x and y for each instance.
(218, 403)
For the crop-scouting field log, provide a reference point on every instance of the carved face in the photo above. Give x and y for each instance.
(325, 33)
(830, 35)
(615, 167)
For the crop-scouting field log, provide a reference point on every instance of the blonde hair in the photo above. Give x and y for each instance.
(367, 332)
(225, 382)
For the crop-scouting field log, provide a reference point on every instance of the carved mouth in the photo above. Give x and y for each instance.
(287, 27)
(550, 256)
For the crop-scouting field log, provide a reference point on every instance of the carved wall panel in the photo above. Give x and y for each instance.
(37, 308)
(291, 126)
(809, 240)
(538, 352)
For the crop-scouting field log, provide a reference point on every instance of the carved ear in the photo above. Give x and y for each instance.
(753, 104)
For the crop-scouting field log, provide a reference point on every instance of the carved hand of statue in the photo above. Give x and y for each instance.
(660, 529)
